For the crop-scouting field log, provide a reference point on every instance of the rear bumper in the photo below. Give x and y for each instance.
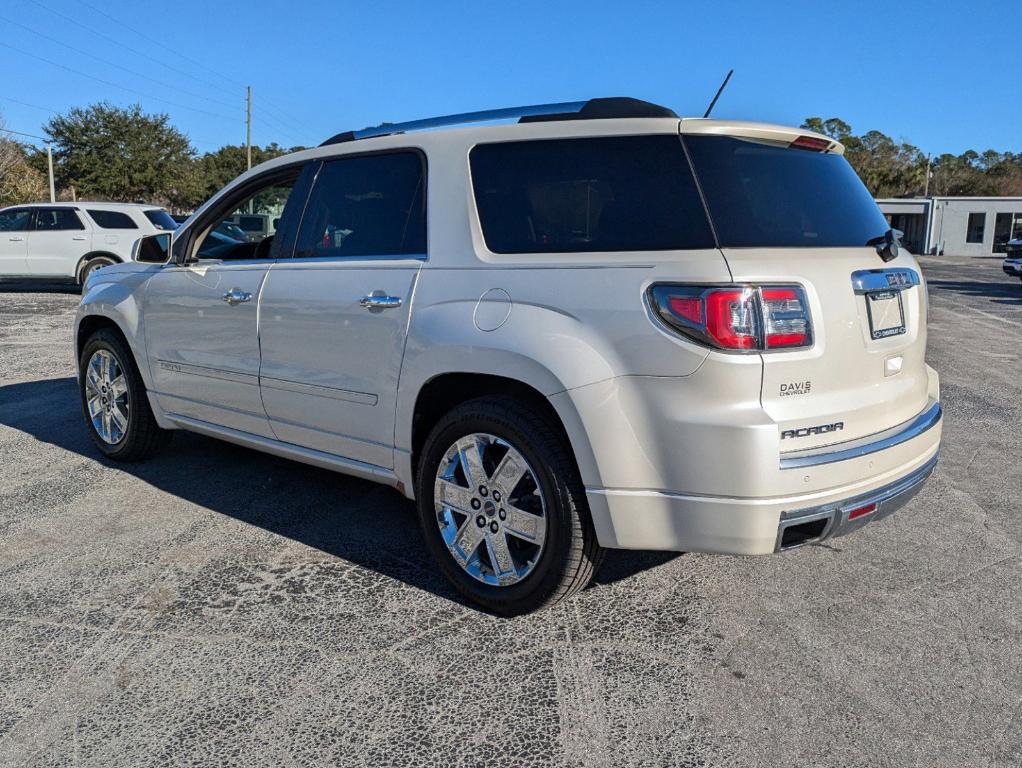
(736, 494)
(670, 521)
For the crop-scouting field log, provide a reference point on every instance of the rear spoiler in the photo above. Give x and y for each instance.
(778, 134)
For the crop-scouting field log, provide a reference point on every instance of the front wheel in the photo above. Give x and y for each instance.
(114, 400)
(502, 507)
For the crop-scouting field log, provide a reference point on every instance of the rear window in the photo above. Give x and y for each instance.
(112, 220)
(620, 193)
(57, 219)
(769, 196)
(251, 223)
(161, 219)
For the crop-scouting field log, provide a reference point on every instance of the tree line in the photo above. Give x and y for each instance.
(104, 152)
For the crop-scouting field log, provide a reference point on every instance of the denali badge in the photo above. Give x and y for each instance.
(822, 429)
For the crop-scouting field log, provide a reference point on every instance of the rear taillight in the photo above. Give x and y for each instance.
(744, 318)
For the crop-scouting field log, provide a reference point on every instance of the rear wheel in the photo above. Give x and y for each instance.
(502, 508)
(96, 262)
(114, 400)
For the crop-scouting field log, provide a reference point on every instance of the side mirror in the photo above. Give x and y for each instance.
(153, 249)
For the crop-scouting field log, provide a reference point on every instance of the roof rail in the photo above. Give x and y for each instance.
(593, 109)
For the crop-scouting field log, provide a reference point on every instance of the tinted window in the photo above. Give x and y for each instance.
(251, 223)
(113, 220)
(52, 219)
(161, 219)
(622, 193)
(772, 196)
(366, 206)
(977, 223)
(15, 221)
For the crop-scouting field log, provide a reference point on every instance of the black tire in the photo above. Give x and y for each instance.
(570, 555)
(143, 437)
(96, 262)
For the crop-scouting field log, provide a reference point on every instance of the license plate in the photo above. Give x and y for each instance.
(886, 314)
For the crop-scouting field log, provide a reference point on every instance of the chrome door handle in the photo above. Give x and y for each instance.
(79, 237)
(377, 301)
(16, 239)
(237, 296)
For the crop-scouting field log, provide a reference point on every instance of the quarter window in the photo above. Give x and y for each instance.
(160, 219)
(621, 193)
(371, 205)
(974, 232)
(56, 219)
(113, 220)
(16, 221)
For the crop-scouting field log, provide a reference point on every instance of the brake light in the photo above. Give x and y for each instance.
(811, 143)
(731, 319)
(744, 319)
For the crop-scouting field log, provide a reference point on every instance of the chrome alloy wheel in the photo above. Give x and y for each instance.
(106, 394)
(490, 509)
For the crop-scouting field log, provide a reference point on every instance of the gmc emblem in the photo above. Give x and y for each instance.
(822, 429)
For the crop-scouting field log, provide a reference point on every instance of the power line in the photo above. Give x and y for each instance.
(22, 133)
(57, 112)
(112, 64)
(33, 106)
(115, 41)
(283, 118)
(115, 85)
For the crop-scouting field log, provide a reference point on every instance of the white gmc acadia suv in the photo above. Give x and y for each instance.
(69, 241)
(600, 326)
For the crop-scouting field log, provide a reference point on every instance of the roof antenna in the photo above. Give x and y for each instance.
(720, 90)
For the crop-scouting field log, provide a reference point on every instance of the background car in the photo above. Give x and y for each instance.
(68, 241)
(1012, 263)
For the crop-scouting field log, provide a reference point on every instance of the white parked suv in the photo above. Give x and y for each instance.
(68, 241)
(600, 326)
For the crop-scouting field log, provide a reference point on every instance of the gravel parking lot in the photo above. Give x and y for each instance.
(219, 606)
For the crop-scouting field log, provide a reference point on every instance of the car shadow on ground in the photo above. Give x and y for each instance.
(1007, 291)
(8, 286)
(361, 522)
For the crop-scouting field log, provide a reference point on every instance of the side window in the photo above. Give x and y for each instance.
(18, 220)
(57, 219)
(112, 220)
(227, 241)
(974, 232)
(366, 206)
(618, 193)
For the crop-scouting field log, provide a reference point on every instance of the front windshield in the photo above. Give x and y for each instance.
(770, 196)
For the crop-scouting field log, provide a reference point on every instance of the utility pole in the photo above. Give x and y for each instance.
(49, 163)
(248, 129)
(926, 190)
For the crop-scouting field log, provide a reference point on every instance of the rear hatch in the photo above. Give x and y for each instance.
(790, 210)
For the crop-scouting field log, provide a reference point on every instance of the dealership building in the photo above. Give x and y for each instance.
(961, 226)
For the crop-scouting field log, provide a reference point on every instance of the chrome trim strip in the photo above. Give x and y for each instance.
(334, 393)
(209, 373)
(864, 446)
(899, 279)
(888, 498)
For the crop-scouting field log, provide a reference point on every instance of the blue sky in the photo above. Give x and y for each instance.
(942, 75)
